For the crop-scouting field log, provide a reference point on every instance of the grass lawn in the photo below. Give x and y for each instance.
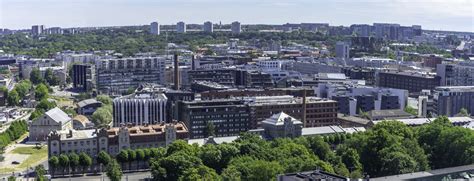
(29, 150)
(35, 157)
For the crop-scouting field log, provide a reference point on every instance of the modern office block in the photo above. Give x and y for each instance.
(118, 76)
(140, 108)
(450, 100)
(412, 81)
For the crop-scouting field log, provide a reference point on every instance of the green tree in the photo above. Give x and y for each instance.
(113, 170)
(211, 156)
(48, 76)
(13, 98)
(41, 92)
(64, 162)
(102, 116)
(23, 87)
(11, 178)
(210, 129)
(103, 158)
(105, 99)
(173, 166)
(4, 90)
(40, 172)
(411, 110)
(35, 76)
(85, 161)
(464, 112)
(201, 173)
(140, 156)
(132, 156)
(73, 162)
(252, 169)
(53, 163)
(122, 157)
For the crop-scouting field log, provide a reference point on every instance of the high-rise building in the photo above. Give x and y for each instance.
(83, 77)
(117, 76)
(236, 28)
(37, 30)
(140, 108)
(208, 27)
(181, 27)
(155, 28)
(342, 50)
(361, 30)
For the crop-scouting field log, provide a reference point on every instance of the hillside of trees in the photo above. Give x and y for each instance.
(386, 149)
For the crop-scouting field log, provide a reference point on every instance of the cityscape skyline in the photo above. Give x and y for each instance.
(439, 15)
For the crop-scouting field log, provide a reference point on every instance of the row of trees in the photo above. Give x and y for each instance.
(15, 131)
(70, 163)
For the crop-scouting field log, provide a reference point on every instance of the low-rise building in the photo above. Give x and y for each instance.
(81, 122)
(282, 125)
(140, 108)
(113, 140)
(412, 81)
(228, 116)
(88, 107)
(52, 120)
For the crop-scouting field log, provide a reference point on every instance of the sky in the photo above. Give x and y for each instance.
(454, 15)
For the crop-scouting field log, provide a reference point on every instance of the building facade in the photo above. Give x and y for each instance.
(113, 140)
(117, 76)
(181, 27)
(208, 27)
(155, 28)
(450, 100)
(140, 108)
(411, 81)
(52, 120)
(456, 74)
(83, 77)
(319, 112)
(236, 27)
(228, 116)
(342, 50)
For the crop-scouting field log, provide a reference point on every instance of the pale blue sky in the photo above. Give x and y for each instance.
(431, 14)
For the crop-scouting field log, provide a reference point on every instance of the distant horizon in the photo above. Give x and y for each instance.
(438, 15)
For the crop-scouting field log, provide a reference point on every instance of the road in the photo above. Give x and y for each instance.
(126, 177)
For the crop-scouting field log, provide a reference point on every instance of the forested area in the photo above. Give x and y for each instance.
(386, 149)
(132, 40)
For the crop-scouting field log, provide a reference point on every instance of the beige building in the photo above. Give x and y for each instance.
(53, 120)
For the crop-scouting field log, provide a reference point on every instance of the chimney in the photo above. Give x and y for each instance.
(304, 108)
(176, 72)
(193, 67)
